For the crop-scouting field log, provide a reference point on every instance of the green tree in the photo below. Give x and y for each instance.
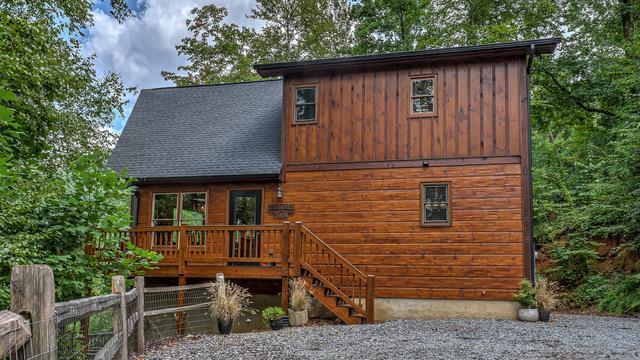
(217, 51)
(55, 111)
(392, 25)
(302, 29)
(293, 30)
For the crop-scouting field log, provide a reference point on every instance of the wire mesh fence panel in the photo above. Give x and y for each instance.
(172, 297)
(86, 335)
(175, 311)
(16, 348)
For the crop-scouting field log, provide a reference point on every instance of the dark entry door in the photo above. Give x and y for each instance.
(245, 208)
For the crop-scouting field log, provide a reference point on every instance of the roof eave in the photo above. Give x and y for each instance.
(206, 179)
(542, 46)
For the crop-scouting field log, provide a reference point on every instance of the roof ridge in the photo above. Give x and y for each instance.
(209, 85)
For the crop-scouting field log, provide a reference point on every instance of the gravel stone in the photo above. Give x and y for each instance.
(565, 337)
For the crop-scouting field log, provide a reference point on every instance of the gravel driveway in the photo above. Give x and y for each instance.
(565, 337)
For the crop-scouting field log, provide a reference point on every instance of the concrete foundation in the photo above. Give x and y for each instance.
(389, 309)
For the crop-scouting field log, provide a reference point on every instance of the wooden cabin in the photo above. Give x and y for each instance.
(398, 185)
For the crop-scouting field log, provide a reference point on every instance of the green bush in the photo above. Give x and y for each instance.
(271, 313)
(621, 296)
(526, 295)
(617, 294)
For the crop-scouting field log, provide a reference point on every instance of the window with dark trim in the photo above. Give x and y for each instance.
(181, 208)
(305, 104)
(422, 95)
(435, 202)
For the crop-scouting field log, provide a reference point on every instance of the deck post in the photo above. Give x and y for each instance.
(371, 286)
(140, 310)
(285, 248)
(182, 281)
(182, 248)
(284, 251)
(285, 295)
(298, 247)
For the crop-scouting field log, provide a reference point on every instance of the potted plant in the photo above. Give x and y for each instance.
(298, 302)
(526, 298)
(546, 295)
(273, 317)
(228, 302)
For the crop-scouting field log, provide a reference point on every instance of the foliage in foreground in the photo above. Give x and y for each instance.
(55, 113)
(48, 217)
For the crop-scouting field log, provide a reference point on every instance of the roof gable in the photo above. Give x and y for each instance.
(216, 131)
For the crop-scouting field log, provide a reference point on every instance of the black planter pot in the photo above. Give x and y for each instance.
(277, 324)
(224, 326)
(544, 315)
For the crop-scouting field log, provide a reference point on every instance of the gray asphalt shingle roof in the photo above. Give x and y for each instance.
(226, 130)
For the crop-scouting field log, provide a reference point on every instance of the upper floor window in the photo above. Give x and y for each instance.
(179, 208)
(422, 95)
(435, 204)
(305, 102)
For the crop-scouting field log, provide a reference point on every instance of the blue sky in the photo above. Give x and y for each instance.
(144, 44)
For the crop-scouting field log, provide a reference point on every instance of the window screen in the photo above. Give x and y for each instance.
(435, 204)
(305, 100)
(422, 95)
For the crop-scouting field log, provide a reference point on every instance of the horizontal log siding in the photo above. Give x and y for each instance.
(372, 217)
(364, 116)
(217, 200)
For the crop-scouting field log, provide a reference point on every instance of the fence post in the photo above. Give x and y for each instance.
(371, 298)
(298, 247)
(120, 317)
(140, 291)
(33, 292)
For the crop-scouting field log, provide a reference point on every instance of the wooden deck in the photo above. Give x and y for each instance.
(240, 252)
(260, 252)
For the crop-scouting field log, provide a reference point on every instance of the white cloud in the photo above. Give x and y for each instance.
(142, 46)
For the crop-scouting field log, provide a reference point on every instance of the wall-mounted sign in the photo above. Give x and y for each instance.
(281, 211)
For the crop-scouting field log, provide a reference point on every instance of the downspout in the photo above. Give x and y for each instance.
(135, 204)
(532, 249)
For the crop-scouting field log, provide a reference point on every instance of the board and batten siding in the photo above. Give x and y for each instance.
(364, 116)
(372, 218)
(354, 175)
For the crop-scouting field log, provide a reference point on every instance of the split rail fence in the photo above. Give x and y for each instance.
(100, 327)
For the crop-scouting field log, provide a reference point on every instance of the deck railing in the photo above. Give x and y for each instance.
(261, 245)
(286, 245)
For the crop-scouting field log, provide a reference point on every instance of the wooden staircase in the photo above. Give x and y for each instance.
(334, 281)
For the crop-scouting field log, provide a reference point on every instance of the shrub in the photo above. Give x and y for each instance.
(590, 291)
(228, 301)
(526, 294)
(621, 295)
(617, 294)
(299, 297)
(546, 294)
(271, 313)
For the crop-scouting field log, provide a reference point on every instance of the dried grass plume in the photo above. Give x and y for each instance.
(229, 301)
(299, 297)
(546, 294)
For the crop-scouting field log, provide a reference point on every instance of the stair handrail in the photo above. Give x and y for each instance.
(345, 262)
(369, 280)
